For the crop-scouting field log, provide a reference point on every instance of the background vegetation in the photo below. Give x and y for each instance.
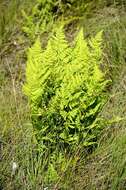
(100, 167)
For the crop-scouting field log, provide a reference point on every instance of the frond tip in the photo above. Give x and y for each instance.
(32, 87)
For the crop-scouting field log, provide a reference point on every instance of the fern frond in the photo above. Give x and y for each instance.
(32, 87)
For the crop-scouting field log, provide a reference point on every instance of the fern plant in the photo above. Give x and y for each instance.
(65, 87)
(66, 91)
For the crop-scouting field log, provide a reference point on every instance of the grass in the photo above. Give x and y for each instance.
(17, 139)
(105, 168)
(11, 17)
